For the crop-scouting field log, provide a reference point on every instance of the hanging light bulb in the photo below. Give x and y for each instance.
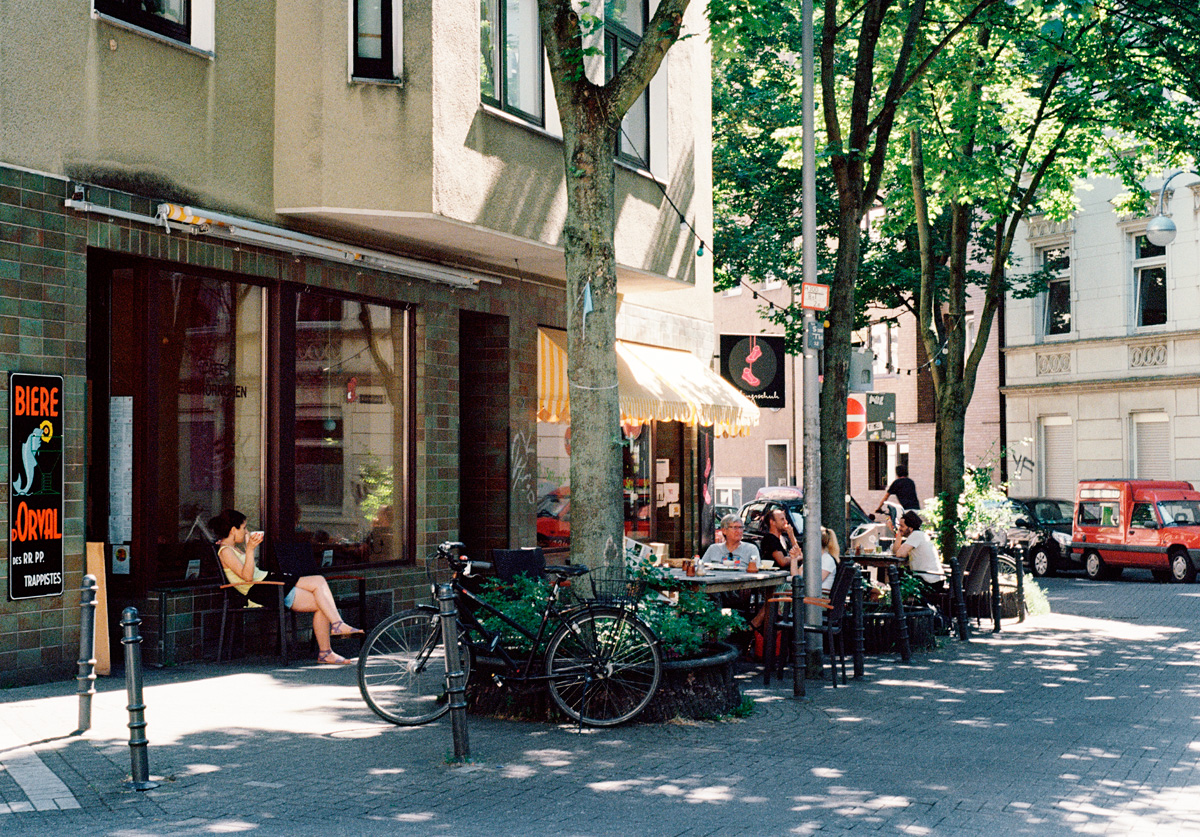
(700, 249)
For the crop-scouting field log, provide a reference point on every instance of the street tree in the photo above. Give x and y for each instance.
(591, 104)
(1041, 96)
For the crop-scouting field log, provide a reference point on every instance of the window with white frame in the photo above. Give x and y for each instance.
(187, 22)
(624, 25)
(377, 39)
(885, 345)
(511, 66)
(1056, 448)
(778, 472)
(1149, 282)
(1056, 313)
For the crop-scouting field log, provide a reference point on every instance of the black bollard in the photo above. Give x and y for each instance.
(960, 600)
(455, 676)
(86, 679)
(799, 646)
(856, 604)
(994, 559)
(138, 756)
(898, 611)
(1020, 585)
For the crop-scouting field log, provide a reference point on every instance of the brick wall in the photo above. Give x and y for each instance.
(43, 297)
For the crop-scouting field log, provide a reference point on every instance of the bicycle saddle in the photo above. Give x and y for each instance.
(565, 572)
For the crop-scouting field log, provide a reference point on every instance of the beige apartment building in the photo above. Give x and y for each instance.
(1104, 368)
(302, 260)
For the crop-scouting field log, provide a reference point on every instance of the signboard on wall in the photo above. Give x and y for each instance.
(35, 486)
(754, 364)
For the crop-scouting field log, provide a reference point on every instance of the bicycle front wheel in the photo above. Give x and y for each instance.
(603, 666)
(402, 668)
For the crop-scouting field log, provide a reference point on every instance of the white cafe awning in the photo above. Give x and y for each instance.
(653, 383)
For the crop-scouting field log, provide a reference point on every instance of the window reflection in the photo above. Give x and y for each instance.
(349, 449)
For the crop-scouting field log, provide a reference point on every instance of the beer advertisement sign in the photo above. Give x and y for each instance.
(35, 486)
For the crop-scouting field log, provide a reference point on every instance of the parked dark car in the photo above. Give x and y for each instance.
(1042, 531)
(756, 513)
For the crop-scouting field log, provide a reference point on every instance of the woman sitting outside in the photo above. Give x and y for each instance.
(303, 594)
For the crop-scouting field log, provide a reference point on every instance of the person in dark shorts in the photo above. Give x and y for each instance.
(903, 489)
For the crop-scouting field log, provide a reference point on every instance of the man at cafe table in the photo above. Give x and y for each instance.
(918, 550)
(773, 550)
(734, 548)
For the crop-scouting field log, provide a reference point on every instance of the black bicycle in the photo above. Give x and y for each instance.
(602, 663)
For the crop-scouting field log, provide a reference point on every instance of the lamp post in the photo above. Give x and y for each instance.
(1161, 229)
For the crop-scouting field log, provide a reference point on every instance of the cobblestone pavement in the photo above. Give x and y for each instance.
(1081, 722)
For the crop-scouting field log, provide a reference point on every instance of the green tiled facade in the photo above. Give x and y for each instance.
(44, 253)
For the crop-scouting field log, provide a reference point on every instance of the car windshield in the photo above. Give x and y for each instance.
(1180, 512)
(1050, 512)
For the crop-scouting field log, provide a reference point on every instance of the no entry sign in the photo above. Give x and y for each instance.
(856, 417)
(35, 486)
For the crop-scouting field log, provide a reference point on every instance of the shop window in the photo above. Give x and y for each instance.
(349, 451)
(639, 505)
(378, 39)
(511, 66)
(1150, 282)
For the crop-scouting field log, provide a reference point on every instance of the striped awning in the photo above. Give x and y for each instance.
(653, 384)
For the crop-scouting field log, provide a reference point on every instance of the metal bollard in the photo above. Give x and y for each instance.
(138, 756)
(455, 676)
(86, 679)
(898, 611)
(799, 652)
(1020, 586)
(856, 604)
(960, 601)
(994, 560)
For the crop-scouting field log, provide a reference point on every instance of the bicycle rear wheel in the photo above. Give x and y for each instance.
(402, 668)
(603, 666)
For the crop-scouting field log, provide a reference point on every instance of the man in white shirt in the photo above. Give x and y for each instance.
(921, 556)
(734, 548)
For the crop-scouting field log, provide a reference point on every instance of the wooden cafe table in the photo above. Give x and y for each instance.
(731, 580)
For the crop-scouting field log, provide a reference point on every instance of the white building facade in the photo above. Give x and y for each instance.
(1103, 368)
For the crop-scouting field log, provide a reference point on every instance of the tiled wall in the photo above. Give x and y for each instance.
(42, 330)
(43, 291)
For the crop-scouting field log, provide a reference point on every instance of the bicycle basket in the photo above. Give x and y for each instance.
(614, 585)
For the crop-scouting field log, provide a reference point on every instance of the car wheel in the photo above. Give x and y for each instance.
(1182, 570)
(1039, 562)
(1095, 566)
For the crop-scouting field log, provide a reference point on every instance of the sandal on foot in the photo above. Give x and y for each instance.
(332, 658)
(340, 628)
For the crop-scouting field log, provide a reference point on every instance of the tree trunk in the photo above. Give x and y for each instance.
(597, 519)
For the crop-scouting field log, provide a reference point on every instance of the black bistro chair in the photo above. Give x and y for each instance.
(834, 619)
(509, 563)
(234, 603)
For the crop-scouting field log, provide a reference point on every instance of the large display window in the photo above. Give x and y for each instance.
(208, 392)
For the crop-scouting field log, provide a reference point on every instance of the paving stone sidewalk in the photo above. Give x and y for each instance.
(1081, 722)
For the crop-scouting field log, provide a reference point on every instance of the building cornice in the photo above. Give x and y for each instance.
(1102, 385)
(1126, 339)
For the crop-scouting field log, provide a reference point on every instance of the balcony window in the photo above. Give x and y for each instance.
(169, 18)
(624, 25)
(377, 39)
(510, 71)
(1150, 282)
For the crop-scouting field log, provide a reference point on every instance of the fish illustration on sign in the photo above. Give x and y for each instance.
(29, 451)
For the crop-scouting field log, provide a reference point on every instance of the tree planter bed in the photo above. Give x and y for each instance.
(696, 688)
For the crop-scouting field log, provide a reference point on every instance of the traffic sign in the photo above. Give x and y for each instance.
(814, 296)
(856, 416)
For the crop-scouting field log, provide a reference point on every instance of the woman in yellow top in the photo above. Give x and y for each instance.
(303, 594)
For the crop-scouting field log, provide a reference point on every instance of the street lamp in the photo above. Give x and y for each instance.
(1161, 229)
